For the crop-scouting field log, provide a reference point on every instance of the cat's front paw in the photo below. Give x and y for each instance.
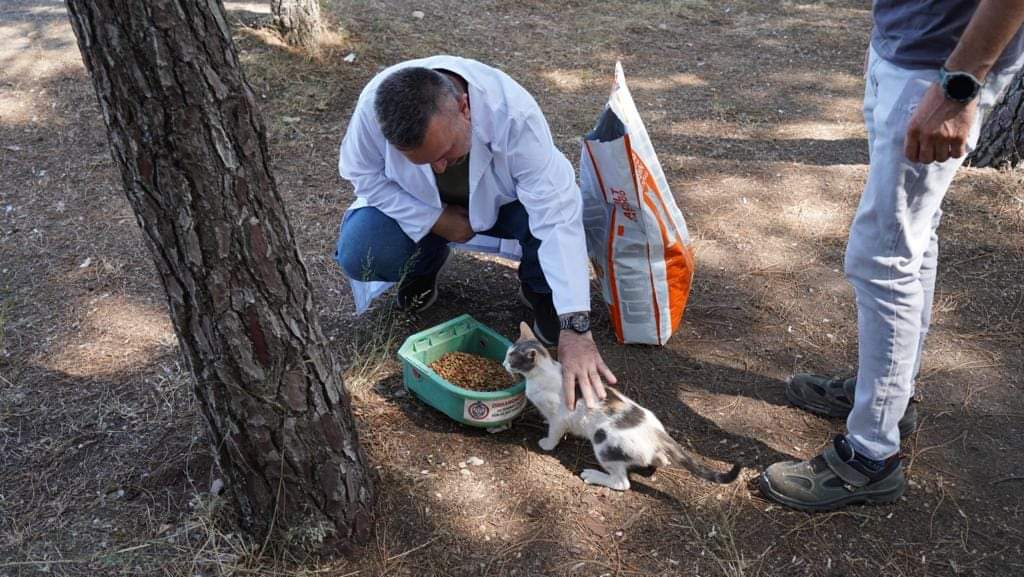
(547, 444)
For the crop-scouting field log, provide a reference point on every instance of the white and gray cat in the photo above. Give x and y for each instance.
(625, 436)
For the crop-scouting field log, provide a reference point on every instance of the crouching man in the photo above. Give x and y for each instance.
(445, 148)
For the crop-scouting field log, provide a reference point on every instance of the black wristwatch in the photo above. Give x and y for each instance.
(958, 86)
(578, 323)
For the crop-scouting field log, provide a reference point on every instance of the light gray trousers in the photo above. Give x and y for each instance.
(893, 250)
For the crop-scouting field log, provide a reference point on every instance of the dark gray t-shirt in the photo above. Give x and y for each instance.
(453, 183)
(922, 33)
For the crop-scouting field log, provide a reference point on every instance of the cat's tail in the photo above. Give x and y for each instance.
(679, 456)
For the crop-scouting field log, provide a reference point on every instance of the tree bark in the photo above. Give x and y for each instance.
(186, 134)
(299, 22)
(1001, 143)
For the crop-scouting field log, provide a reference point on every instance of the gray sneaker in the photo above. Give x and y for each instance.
(834, 479)
(833, 397)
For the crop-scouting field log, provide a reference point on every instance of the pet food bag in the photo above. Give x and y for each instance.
(636, 235)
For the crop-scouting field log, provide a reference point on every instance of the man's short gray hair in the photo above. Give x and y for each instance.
(406, 101)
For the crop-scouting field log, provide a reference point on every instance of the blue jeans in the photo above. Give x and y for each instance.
(893, 249)
(373, 247)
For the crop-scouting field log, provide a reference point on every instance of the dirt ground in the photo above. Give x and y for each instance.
(754, 108)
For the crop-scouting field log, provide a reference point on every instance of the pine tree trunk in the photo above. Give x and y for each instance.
(1002, 137)
(189, 141)
(299, 22)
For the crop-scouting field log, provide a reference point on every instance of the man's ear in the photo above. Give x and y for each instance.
(464, 105)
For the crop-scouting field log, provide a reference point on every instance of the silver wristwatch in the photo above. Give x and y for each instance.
(578, 323)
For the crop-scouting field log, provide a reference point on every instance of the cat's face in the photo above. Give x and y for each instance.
(526, 353)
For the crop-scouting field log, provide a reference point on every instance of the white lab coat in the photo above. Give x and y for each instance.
(512, 156)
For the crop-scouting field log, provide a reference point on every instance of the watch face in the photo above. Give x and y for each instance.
(960, 87)
(581, 323)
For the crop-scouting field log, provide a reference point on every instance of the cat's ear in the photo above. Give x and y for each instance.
(525, 333)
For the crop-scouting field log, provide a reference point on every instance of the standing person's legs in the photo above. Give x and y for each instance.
(892, 258)
(373, 247)
(890, 261)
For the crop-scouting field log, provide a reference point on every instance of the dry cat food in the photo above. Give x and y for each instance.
(472, 372)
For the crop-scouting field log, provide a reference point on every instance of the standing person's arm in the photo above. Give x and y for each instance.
(940, 127)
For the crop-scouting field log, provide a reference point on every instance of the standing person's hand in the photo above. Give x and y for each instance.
(453, 224)
(939, 128)
(583, 365)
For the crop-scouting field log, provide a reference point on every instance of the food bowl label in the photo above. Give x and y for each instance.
(493, 411)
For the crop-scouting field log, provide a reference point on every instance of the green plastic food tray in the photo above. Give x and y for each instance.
(475, 408)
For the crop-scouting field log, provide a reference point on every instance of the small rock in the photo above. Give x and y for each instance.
(465, 472)
(475, 461)
(289, 119)
(350, 58)
(462, 465)
(418, 14)
(216, 487)
(86, 263)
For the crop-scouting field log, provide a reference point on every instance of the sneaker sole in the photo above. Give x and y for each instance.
(536, 329)
(543, 341)
(522, 298)
(864, 498)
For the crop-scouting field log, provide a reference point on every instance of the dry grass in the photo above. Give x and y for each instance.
(371, 352)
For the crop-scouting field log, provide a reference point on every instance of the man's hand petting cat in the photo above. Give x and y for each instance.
(582, 365)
